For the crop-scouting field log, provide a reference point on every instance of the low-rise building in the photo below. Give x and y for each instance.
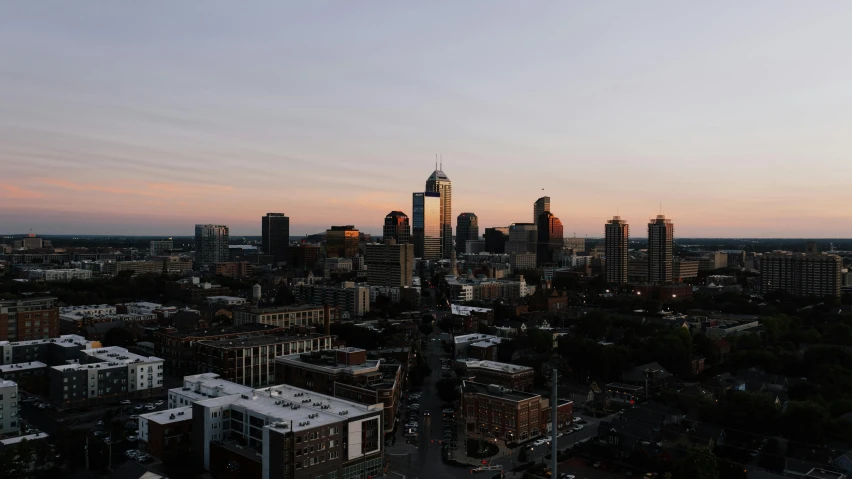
(345, 373)
(28, 319)
(167, 265)
(53, 351)
(10, 423)
(463, 343)
(349, 296)
(484, 289)
(724, 329)
(166, 433)
(289, 316)
(233, 269)
(512, 376)
(49, 275)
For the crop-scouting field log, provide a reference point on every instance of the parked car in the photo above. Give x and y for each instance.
(132, 438)
(158, 402)
(578, 427)
(125, 402)
(134, 416)
(139, 407)
(539, 442)
(131, 453)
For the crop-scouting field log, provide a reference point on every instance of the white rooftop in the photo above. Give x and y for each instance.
(4, 383)
(460, 310)
(5, 368)
(118, 354)
(29, 437)
(66, 340)
(476, 337)
(169, 415)
(494, 365)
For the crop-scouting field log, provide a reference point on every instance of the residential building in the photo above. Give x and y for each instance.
(251, 360)
(167, 265)
(683, 269)
(512, 376)
(27, 319)
(726, 329)
(166, 433)
(161, 247)
(462, 343)
(347, 374)
(53, 351)
(211, 244)
(660, 241)
(232, 269)
(474, 246)
(390, 264)
(279, 432)
(426, 232)
(801, 274)
(105, 375)
(523, 260)
(541, 205)
(275, 235)
(462, 288)
(337, 266)
(349, 296)
(10, 423)
(396, 228)
(522, 238)
(467, 229)
(306, 316)
(496, 239)
(616, 244)
(439, 183)
(514, 416)
(341, 242)
(192, 290)
(49, 275)
(550, 238)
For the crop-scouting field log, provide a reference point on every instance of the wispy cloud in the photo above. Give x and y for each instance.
(16, 193)
(158, 190)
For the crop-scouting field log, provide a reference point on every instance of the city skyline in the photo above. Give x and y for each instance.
(137, 128)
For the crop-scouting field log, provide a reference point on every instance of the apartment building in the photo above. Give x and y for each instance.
(513, 416)
(27, 319)
(512, 376)
(289, 316)
(105, 375)
(279, 432)
(801, 274)
(349, 297)
(168, 265)
(462, 343)
(10, 423)
(233, 269)
(58, 275)
(390, 264)
(166, 433)
(464, 288)
(345, 373)
(53, 351)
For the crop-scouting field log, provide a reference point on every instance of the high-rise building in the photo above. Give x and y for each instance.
(660, 240)
(540, 206)
(496, 239)
(161, 247)
(522, 238)
(427, 225)
(439, 183)
(467, 228)
(549, 241)
(396, 228)
(341, 242)
(390, 264)
(616, 234)
(802, 274)
(275, 235)
(211, 244)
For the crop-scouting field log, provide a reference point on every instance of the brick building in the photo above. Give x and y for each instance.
(166, 433)
(27, 319)
(512, 376)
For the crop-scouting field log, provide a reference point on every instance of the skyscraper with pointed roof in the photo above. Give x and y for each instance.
(438, 182)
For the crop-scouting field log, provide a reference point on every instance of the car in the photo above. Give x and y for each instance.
(101, 422)
(134, 416)
(100, 434)
(132, 438)
(139, 407)
(560, 435)
(597, 464)
(131, 453)
(107, 441)
(411, 424)
(427, 413)
(539, 442)
(42, 406)
(578, 427)
(565, 475)
(125, 402)
(144, 458)
(150, 407)
(158, 402)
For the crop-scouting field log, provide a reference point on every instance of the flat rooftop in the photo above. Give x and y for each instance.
(324, 363)
(4, 383)
(476, 337)
(118, 354)
(259, 340)
(283, 309)
(169, 415)
(7, 368)
(66, 340)
(495, 366)
(240, 329)
(459, 310)
(30, 437)
(497, 391)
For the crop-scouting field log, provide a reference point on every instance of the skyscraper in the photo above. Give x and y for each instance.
(427, 225)
(522, 238)
(540, 206)
(496, 239)
(275, 235)
(616, 237)
(211, 244)
(396, 228)
(439, 183)
(467, 228)
(550, 240)
(390, 264)
(341, 242)
(660, 239)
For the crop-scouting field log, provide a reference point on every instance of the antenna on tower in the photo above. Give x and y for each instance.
(442, 162)
(436, 161)
(661, 207)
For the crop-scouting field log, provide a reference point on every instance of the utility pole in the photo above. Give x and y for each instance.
(553, 418)
(87, 452)
(110, 453)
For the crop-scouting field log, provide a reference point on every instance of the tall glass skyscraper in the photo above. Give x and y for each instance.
(660, 239)
(439, 183)
(426, 207)
(275, 235)
(396, 228)
(211, 244)
(549, 238)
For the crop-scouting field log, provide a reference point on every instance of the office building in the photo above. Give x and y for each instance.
(161, 265)
(496, 239)
(549, 242)
(346, 374)
(275, 235)
(512, 376)
(211, 244)
(540, 206)
(427, 225)
(660, 242)
(105, 375)
(303, 256)
(390, 264)
(279, 432)
(161, 247)
(289, 316)
(396, 228)
(59, 275)
(10, 423)
(467, 229)
(616, 247)
(522, 238)
(801, 274)
(350, 297)
(438, 182)
(576, 245)
(27, 319)
(513, 416)
(523, 261)
(233, 269)
(683, 269)
(341, 242)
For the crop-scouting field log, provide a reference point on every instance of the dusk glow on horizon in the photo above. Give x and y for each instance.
(149, 117)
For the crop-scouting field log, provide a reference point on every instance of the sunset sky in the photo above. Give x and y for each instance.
(149, 117)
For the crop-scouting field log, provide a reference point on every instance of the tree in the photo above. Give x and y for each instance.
(118, 336)
(447, 389)
(699, 463)
(805, 421)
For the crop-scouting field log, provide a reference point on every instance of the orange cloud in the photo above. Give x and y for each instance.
(159, 190)
(16, 193)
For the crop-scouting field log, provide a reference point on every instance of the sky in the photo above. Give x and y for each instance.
(733, 118)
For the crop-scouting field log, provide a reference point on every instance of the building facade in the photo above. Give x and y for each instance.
(467, 229)
(341, 242)
(616, 245)
(289, 316)
(275, 235)
(549, 242)
(426, 233)
(349, 296)
(10, 422)
(660, 243)
(211, 244)
(801, 274)
(496, 239)
(390, 264)
(512, 376)
(439, 182)
(540, 206)
(28, 319)
(161, 247)
(396, 228)
(522, 238)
